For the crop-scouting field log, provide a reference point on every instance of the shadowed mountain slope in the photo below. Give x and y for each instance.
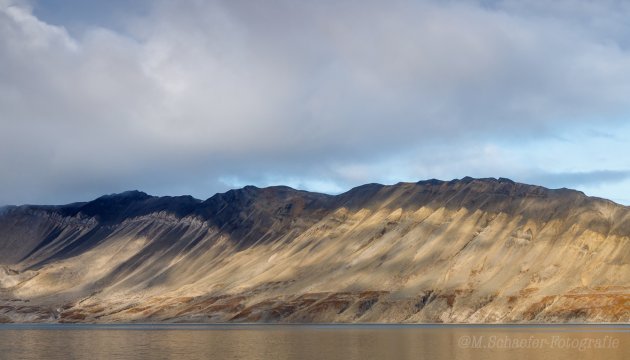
(469, 250)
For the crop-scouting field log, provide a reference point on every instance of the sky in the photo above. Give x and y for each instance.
(176, 97)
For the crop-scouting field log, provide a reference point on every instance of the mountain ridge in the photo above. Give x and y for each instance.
(465, 250)
(433, 181)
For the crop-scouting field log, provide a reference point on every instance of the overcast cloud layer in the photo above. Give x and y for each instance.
(195, 97)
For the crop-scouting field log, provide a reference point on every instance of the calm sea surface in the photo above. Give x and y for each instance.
(347, 342)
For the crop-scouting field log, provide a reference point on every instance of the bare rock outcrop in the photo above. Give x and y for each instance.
(468, 250)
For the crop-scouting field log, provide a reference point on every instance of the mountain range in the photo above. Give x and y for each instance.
(461, 251)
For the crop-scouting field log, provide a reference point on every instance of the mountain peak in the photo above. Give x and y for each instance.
(128, 195)
(469, 179)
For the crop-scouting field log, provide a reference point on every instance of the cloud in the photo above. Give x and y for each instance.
(196, 92)
(587, 178)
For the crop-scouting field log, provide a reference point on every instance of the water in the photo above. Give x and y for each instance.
(347, 342)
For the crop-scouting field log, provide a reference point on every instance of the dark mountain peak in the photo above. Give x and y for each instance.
(181, 198)
(506, 180)
(359, 196)
(233, 195)
(250, 193)
(128, 204)
(434, 182)
(502, 186)
(117, 200)
(126, 195)
(366, 188)
(497, 185)
(488, 180)
(114, 206)
(466, 180)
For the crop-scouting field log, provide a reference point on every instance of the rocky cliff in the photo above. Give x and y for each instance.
(469, 250)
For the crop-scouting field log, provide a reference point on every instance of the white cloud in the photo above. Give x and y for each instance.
(199, 91)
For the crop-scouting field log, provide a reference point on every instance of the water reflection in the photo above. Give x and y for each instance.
(311, 342)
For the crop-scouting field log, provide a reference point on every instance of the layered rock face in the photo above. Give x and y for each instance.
(469, 250)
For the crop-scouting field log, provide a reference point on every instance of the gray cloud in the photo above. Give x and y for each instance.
(577, 179)
(195, 92)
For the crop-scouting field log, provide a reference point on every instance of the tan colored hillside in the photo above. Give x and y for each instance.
(469, 250)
